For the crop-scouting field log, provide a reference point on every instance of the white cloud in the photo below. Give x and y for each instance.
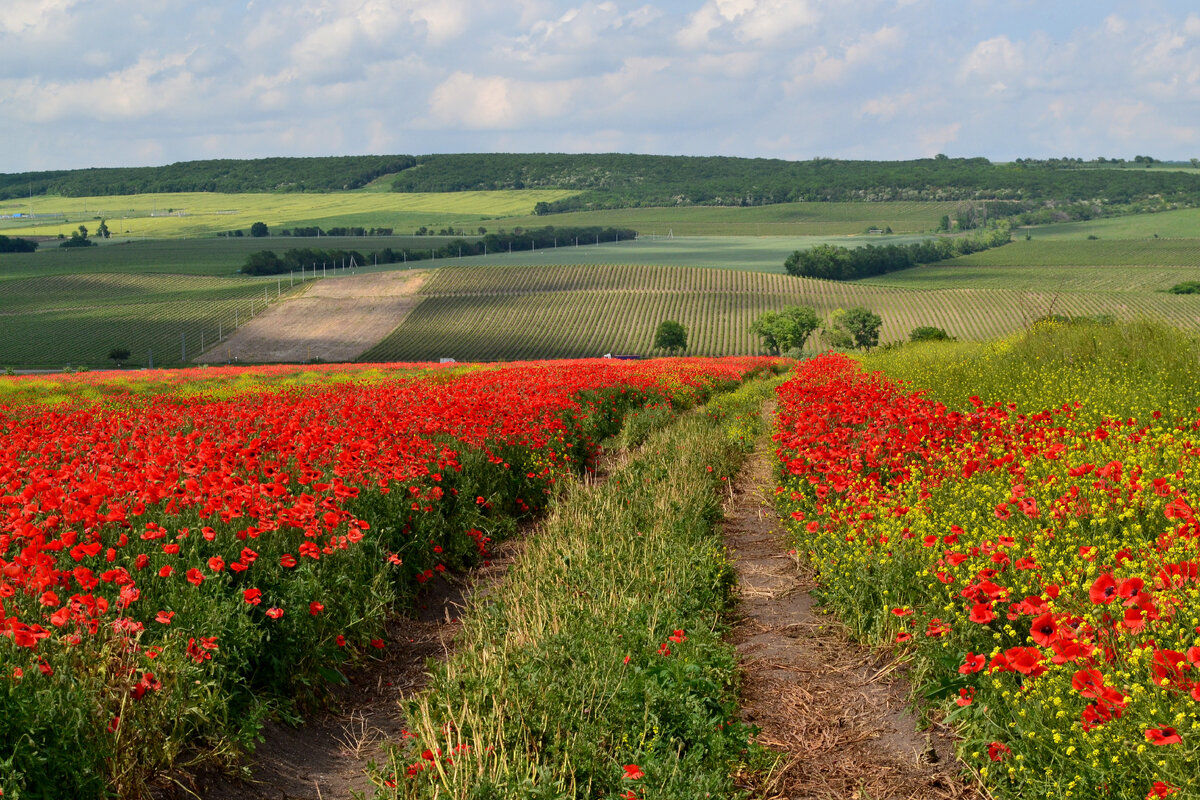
(819, 66)
(749, 21)
(887, 106)
(21, 16)
(492, 101)
(994, 58)
(931, 141)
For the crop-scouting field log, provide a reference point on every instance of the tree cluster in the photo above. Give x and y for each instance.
(786, 331)
(267, 262)
(79, 238)
(835, 263)
(330, 174)
(614, 180)
(13, 244)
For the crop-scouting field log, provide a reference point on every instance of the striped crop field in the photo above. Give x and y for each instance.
(77, 319)
(508, 313)
(169, 215)
(781, 219)
(1089, 252)
(1038, 278)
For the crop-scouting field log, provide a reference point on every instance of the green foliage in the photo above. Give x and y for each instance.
(119, 354)
(670, 336)
(79, 238)
(16, 245)
(787, 329)
(1119, 369)
(842, 263)
(259, 229)
(615, 180)
(567, 670)
(222, 175)
(853, 327)
(929, 333)
(1187, 287)
(267, 263)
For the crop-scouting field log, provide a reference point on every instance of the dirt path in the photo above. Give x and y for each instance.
(335, 319)
(835, 711)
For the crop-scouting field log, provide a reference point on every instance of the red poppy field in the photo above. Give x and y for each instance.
(180, 558)
(1036, 563)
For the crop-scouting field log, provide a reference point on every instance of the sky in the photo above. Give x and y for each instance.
(89, 83)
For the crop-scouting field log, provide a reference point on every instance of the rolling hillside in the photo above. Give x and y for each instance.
(504, 313)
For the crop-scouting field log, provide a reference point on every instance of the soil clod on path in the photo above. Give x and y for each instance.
(834, 710)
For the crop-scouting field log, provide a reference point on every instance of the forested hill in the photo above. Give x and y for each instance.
(619, 180)
(615, 180)
(329, 174)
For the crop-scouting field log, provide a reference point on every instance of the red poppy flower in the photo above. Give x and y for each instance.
(274, 612)
(973, 663)
(1163, 735)
(252, 596)
(1160, 789)
(1044, 630)
(315, 608)
(195, 577)
(1088, 682)
(164, 617)
(1103, 590)
(982, 613)
(998, 751)
(633, 772)
(677, 636)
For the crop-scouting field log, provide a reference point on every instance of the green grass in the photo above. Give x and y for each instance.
(1084, 252)
(497, 313)
(185, 256)
(782, 219)
(763, 254)
(76, 319)
(1178, 224)
(184, 214)
(560, 677)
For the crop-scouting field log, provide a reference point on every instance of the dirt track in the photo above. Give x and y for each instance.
(335, 319)
(835, 711)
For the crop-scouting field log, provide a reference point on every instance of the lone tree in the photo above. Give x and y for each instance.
(786, 330)
(670, 336)
(119, 354)
(863, 326)
(103, 232)
(259, 229)
(79, 238)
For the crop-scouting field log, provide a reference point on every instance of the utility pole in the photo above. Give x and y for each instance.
(183, 347)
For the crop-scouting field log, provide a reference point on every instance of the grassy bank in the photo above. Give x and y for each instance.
(598, 667)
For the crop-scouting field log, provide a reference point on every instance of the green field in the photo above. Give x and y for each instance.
(185, 256)
(1084, 252)
(181, 214)
(1181, 223)
(77, 319)
(755, 254)
(497, 313)
(1051, 278)
(782, 219)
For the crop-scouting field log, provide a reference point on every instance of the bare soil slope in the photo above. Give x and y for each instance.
(336, 319)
